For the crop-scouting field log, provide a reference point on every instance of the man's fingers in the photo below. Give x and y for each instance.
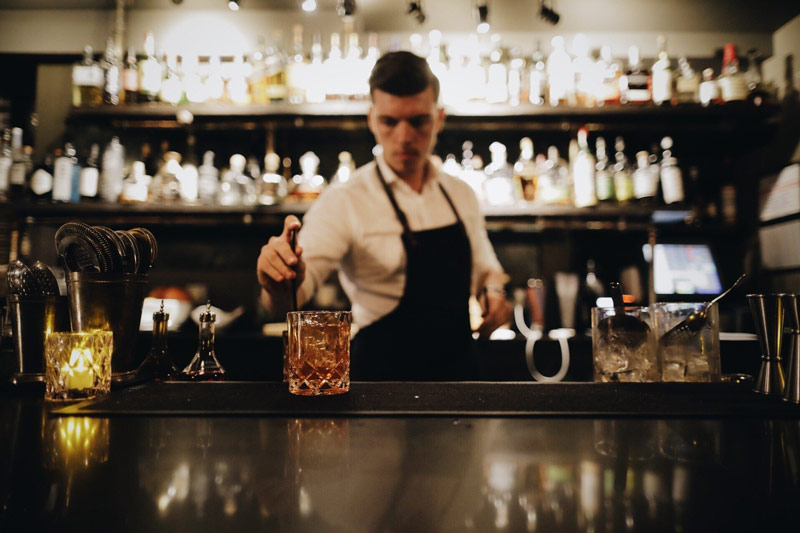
(276, 261)
(290, 223)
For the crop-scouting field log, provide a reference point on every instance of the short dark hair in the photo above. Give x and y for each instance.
(402, 74)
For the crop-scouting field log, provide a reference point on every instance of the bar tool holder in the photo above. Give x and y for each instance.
(768, 315)
(792, 392)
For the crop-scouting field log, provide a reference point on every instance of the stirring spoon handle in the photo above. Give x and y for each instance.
(729, 289)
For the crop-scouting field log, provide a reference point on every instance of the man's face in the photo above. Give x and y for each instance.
(406, 127)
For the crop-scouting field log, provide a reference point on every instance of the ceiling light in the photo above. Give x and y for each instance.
(481, 12)
(309, 5)
(548, 14)
(415, 10)
(233, 5)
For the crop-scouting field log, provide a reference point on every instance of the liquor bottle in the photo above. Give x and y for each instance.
(5, 163)
(150, 71)
(332, 68)
(136, 187)
(111, 178)
(560, 75)
(215, 85)
(470, 173)
(171, 86)
(603, 176)
(353, 73)
(90, 175)
(583, 173)
(41, 182)
(586, 80)
(496, 74)
(208, 180)
(499, 185)
(537, 86)
(474, 73)
(275, 64)
(634, 85)
(645, 187)
(258, 76)
(671, 178)
(371, 57)
(517, 84)
(230, 192)
(315, 88)
(732, 85)
(345, 169)
(272, 185)
(610, 72)
(193, 87)
(709, 89)
(687, 84)
(166, 184)
(307, 185)
(297, 68)
(756, 92)
(63, 172)
(158, 365)
(204, 366)
(18, 173)
(112, 73)
(623, 182)
(130, 79)
(662, 75)
(526, 173)
(249, 182)
(553, 187)
(189, 173)
(87, 81)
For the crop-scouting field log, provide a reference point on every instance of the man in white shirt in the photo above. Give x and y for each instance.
(409, 241)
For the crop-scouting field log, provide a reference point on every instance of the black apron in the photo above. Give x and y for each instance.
(427, 337)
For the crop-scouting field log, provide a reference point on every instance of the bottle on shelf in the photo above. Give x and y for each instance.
(166, 184)
(645, 186)
(112, 75)
(610, 72)
(732, 84)
(171, 86)
(526, 173)
(136, 187)
(604, 175)
(189, 173)
(307, 185)
(496, 74)
(560, 75)
(757, 94)
(20, 161)
(130, 79)
(207, 180)
(537, 84)
(471, 172)
(554, 186)
(194, 89)
(275, 61)
(709, 92)
(90, 175)
(499, 185)
(345, 169)
(353, 73)
(297, 68)
(315, 91)
(63, 172)
(111, 177)
(250, 182)
(671, 178)
(237, 88)
(205, 366)
(150, 71)
(41, 181)
(623, 182)
(230, 189)
(517, 83)
(634, 85)
(5, 163)
(272, 188)
(586, 75)
(662, 80)
(333, 66)
(687, 84)
(215, 85)
(87, 81)
(583, 173)
(258, 76)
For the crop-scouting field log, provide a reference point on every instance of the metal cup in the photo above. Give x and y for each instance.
(32, 318)
(768, 314)
(110, 302)
(790, 304)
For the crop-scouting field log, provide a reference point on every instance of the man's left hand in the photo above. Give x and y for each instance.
(496, 312)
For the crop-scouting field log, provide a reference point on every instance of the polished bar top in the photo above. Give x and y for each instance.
(619, 463)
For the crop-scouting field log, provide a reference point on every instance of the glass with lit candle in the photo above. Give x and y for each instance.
(78, 364)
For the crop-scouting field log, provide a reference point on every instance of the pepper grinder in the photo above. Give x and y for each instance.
(204, 366)
(158, 364)
(790, 304)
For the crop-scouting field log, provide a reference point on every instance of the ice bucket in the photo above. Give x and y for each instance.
(32, 318)
(111, 302)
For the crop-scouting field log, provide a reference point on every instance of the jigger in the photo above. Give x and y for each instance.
(768, 313)
(792, 392)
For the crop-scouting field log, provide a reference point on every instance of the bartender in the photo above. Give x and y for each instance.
(408, 240)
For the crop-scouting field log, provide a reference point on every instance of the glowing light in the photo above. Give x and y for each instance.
(483, 27)
(309, 5)
(233, 5)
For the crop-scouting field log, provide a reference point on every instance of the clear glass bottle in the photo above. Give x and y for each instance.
(496, 74)
(645, 186)
(111, 176)
(112, 75)
(190, 175)
(537, 87)
(687, 84)
(205, 366)
(41, 182)
(732, 84)
(345, 169)
(307, 185)
(670, 174)
(623, 182)
(333, 66)
(130, 79)
(499, 185)
(470, 173)
(238, 90)
(634, 85)
(560, 75)
(586, 80)
(757, 94)
(297, 68)
(136, 187)
(526, 174)
(315, 88)
(272, 185)
(215, 85)
(20, 162)
(709, 89)
(87, 81)
(90, 175)
(158, 365)
(603, 176)
(662, 75)
(166, 184)
(230, 189)
(610, 72)
(554, 186)
(208, 180)
(151, 71)
(352, 69)
(258, 76)
(62, 174)
(193, 86)
(583, 172)
(275, 61)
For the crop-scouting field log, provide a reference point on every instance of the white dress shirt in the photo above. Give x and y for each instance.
(353, 226)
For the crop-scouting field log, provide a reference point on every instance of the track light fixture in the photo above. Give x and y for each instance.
(548, 14)
(233, 5)
(415, 10)
(346, 8)
(481, 13)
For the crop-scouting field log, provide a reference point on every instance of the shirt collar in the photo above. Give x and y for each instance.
(391, 177)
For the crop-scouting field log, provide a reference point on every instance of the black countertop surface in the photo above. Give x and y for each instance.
(402, 457)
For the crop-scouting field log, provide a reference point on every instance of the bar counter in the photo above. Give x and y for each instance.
(474, 456)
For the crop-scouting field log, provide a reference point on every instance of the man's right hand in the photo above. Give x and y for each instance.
(278, 263)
